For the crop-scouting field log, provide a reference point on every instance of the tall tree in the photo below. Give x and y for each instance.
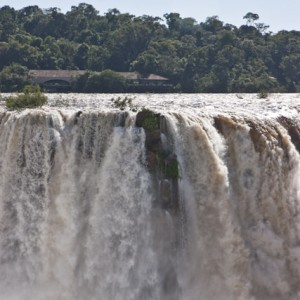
(251, 18)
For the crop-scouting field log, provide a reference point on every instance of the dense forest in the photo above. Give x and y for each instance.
(209, 56)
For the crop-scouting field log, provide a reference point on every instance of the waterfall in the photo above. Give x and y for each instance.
(159, 204)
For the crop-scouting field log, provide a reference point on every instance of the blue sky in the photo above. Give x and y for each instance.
(278, 14)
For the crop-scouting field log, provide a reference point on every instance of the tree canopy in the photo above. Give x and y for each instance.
(208, 56)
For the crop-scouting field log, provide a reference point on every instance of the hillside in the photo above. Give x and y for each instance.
(197, 57)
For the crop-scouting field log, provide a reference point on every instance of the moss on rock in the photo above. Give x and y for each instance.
(148, 119)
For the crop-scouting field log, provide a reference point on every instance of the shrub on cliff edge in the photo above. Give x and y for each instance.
(30, 98)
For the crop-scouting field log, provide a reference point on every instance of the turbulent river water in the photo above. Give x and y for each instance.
(182, 197)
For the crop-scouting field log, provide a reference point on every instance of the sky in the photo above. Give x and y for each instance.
(278, 14)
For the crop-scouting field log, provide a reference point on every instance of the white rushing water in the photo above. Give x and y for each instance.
(88, 212)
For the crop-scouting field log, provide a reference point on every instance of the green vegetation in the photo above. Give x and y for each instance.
(123, 103)
(168, 166)
(150, 121)
(207, 56)
(31, 97)
(106, 81)
(13, 78)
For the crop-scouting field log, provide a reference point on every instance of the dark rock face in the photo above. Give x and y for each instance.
(293, 130)
(161, 160)
(162, 164)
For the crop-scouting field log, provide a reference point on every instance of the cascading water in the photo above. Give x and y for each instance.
(195, 199)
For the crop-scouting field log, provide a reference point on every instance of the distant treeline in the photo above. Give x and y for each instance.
(197, 57)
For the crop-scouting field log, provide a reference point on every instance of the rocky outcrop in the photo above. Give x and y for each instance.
(161, 160)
